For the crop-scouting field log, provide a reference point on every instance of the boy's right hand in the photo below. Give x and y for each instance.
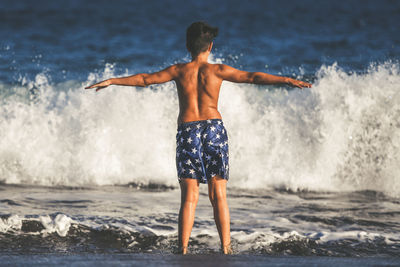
(297, 83)
(100, 85)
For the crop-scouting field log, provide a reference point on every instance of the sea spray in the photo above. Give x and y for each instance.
(342, 134)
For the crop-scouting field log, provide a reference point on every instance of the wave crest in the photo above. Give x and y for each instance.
(342, 134)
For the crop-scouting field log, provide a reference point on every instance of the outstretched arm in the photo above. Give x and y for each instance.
(238, 76)
(141, 79)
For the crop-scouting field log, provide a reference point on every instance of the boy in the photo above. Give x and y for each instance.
(202, 141)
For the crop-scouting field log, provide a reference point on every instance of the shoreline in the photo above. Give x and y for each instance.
(194, 260)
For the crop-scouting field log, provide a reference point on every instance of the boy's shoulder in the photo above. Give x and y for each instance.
(179, 69)
(215, 66)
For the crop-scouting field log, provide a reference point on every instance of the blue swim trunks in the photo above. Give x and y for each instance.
(202, 150)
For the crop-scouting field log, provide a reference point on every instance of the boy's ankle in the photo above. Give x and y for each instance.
(227, 249)
(184, 250)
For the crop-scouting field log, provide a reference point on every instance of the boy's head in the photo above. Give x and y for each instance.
(199, 35)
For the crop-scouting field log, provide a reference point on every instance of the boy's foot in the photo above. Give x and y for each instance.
(227, 249)
(184, 250)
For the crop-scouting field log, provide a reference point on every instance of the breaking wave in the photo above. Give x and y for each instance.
(60, 233)
(342, 134)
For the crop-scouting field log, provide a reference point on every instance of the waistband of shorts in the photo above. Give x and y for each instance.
(212, 121)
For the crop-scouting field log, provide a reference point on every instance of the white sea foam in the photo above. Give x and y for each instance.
(260, 239)
(342, 134)
(59, 225)
(13, 222)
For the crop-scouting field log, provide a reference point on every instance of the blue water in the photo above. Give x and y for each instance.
(71, 38)
(313, 172)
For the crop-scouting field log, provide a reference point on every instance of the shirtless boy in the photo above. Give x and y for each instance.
(202, 141)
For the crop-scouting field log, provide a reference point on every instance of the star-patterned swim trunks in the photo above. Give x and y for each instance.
(202, 150)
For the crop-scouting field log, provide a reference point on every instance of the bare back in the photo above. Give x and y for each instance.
(198, 84)
(198, 90)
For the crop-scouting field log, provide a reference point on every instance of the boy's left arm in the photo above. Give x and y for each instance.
(141, 79)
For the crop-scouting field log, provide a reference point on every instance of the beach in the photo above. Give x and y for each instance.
(89, 178)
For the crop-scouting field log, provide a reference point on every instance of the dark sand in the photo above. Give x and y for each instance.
(188, 260)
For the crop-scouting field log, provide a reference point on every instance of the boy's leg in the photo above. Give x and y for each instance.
(189, 198)
(217, 195)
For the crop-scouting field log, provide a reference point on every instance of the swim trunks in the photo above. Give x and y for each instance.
(202, 150)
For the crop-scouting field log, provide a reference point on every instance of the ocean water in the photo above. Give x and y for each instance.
(314, 172)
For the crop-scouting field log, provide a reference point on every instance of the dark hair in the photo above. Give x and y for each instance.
(199, 35)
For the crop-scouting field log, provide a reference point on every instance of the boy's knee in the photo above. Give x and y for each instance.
(190, 191)
(216, 197)
(192, 198)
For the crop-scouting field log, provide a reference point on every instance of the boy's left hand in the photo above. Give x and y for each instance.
(100, 85)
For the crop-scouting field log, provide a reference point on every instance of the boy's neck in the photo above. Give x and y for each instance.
(200, 58)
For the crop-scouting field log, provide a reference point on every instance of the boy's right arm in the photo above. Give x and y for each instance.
(228, 73)
(141, 79)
